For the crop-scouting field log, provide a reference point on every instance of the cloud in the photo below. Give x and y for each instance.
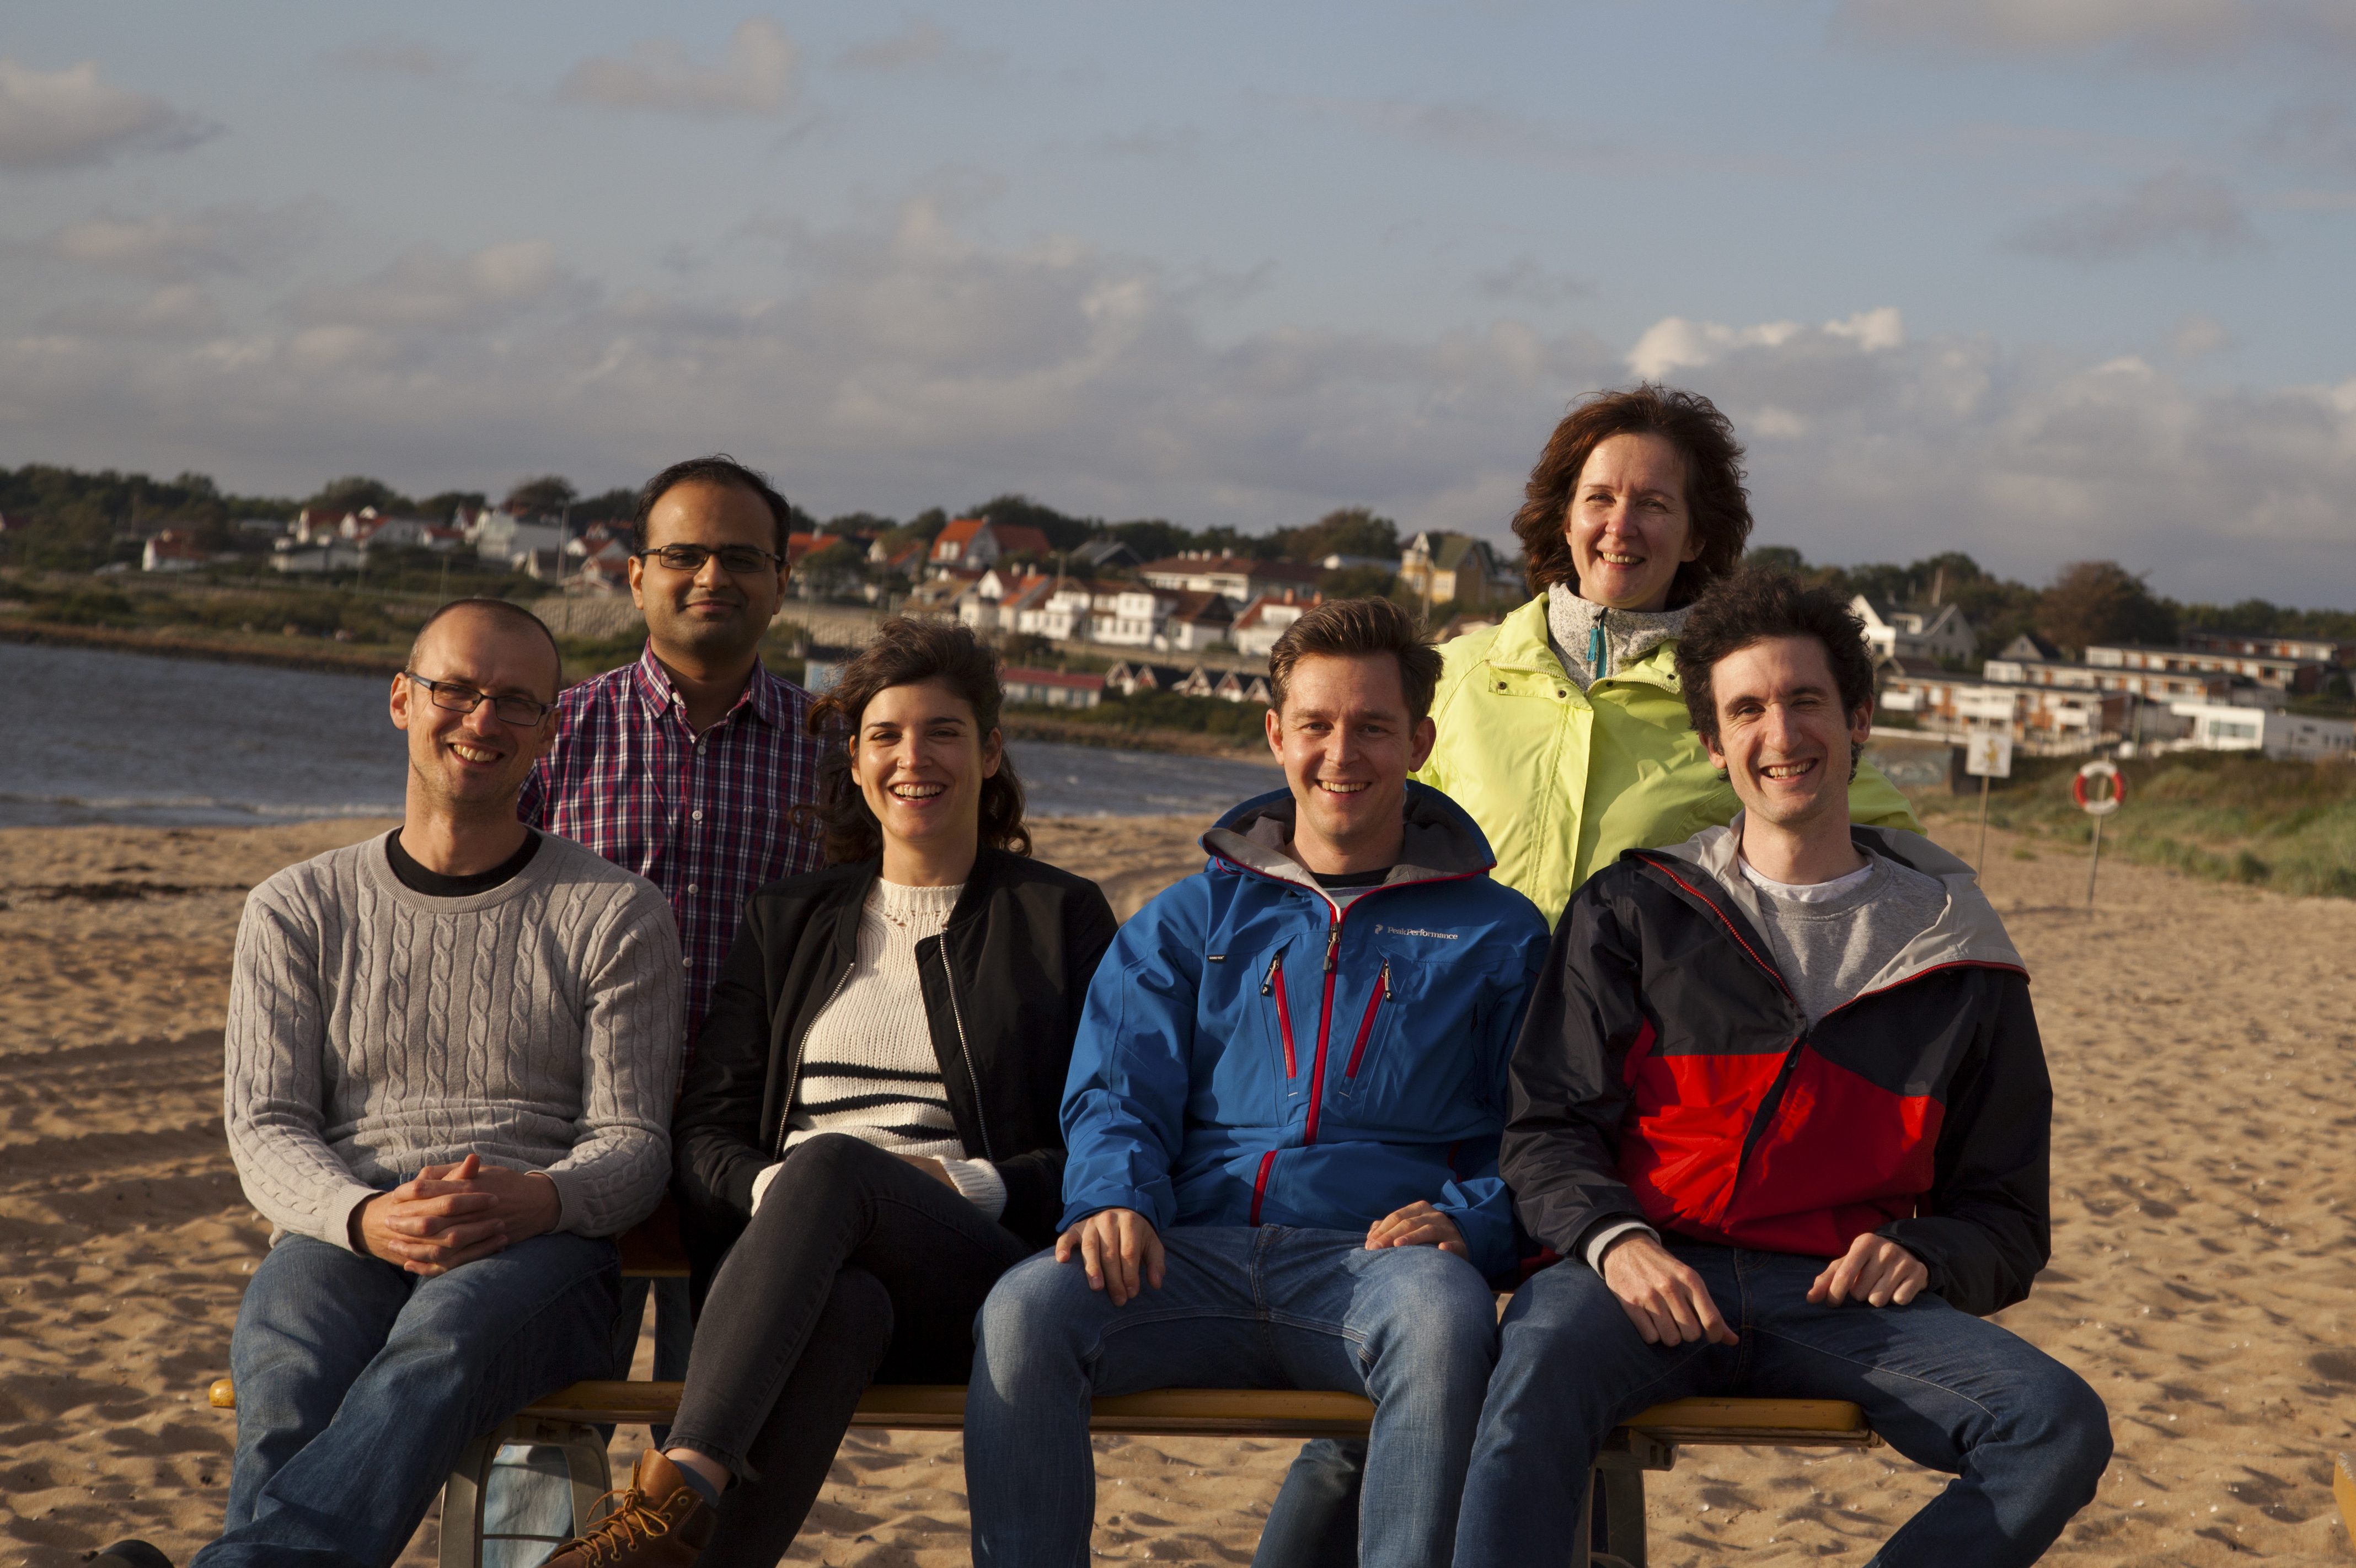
(176, 310)
(425, 288)
(2150, 31)
(391, 54)
(2197, 336)
(212, 241)
(756, 77)
(905, 363)
(1527, 278)
(69, 118)
(918, 44)
(2174, 210)
(2320, 134)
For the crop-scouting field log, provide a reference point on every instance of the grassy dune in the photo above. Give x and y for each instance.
(2290, 826)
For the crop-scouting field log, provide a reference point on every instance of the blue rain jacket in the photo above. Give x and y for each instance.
(1255, 1050)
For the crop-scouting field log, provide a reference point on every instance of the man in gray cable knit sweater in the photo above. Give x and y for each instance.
(451, 1057)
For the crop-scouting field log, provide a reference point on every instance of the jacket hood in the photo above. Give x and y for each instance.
(1442, 841)
(1967, 929)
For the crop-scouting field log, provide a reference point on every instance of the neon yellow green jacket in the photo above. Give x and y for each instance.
(1561, 782)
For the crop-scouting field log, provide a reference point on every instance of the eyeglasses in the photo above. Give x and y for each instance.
(511, 708)
(736, 559)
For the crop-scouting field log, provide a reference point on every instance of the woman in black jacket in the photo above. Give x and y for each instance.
(868, 1135)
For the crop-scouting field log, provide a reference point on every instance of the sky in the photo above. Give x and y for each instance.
(2040, 280)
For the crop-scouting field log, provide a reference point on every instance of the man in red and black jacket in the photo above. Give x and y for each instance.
(1780, 1107)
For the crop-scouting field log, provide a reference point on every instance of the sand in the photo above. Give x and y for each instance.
(2202, 1041)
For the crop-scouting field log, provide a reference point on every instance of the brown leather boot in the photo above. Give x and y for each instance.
(660, 1521)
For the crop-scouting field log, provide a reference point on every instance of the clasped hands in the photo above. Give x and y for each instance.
(1669, 1304)
(1122, 1252)
(452, 1214)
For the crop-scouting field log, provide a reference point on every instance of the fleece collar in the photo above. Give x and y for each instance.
(1442, 843)
(1626, 636)
(1967, 931)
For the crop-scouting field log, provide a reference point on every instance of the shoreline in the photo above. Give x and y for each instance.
(323, 656)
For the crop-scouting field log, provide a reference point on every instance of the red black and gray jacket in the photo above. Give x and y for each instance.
(1665, 1074)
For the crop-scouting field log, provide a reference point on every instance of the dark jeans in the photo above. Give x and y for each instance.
(358, 1384)
(2024, 1436)
(1313, 1523)
(858, 1268)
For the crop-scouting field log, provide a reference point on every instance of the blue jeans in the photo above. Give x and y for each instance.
(529, 1492)
(358, 1385)
(2024, 1436)
(1412, 1327)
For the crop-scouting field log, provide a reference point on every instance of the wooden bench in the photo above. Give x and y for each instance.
(570, 1420)
(1648, 1441)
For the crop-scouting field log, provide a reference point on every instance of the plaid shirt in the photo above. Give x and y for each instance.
(704, 818)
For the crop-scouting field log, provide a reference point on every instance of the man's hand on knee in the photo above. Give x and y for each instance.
(1875, 1269)
(1417, 1225)
(1666, 1301)
(1119, 1248)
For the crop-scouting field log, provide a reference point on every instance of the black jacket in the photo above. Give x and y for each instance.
(1665, 1074)
(1003, 985)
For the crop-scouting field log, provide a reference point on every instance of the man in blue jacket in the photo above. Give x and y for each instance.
(1283, 1117)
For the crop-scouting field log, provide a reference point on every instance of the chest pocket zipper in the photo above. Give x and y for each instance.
(1366, 1028)
(1272, 983)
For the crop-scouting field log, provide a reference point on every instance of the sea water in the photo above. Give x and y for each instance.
(94, 735)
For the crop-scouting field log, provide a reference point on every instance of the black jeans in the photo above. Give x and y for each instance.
(858, 1268)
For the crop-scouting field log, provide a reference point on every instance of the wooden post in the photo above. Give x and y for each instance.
(1982, 862)
(2093, 862)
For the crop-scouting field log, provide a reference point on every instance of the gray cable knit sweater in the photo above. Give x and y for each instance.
(373, 1030)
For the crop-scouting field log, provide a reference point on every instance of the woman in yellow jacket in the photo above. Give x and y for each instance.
(1562, 729)
(1563, 732)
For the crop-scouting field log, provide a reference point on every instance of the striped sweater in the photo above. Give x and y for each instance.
(869, 1069)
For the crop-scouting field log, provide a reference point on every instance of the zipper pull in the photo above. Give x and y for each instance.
(1595, 649)
(1268, 981)
(1387, 979)
(1332, 940)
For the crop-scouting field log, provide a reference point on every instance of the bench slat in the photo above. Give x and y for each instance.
(1226, 1413)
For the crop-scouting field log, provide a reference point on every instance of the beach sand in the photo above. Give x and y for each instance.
(2203, 1040)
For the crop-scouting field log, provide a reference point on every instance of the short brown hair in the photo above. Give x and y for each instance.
(1753, 606)
(1716, 501)
(514, 615)
(1357, 628)
(908, 653)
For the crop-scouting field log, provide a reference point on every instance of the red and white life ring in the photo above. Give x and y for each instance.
(2105, 770)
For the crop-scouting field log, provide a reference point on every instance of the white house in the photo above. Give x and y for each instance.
(1052, 688)
(2229, 727)
(171, 550)
(510, 541)
(1444, 567)
(1265, 618)
(1233, 576)
(1902, 631)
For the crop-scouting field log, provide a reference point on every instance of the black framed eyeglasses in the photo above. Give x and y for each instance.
(511, 708)
(736, 559)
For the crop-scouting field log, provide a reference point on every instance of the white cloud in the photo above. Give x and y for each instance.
(425, 288)
(67, 119)
(392, 53)
(2173, 31)
(177, 310)
(214, 239)
(2197, 336)
(755, 76)
(1673, 344)
(2171, 209)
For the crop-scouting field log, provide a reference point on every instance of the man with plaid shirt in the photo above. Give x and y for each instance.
(684, 767)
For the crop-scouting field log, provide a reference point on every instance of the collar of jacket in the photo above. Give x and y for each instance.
(1967, 931)
(848, 896)
(1442, 843)
(1521, 646)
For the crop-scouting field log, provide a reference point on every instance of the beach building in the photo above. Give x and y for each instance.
(1263, 621)
(1194, 621)
(172, 550)
(1052, 688)
(502, 537)
(974, 543)
(2339, 653)
(2232, 726)
(1236, 687)
(1438, 567)
(1915, 631)
(2291, 675)
(2041, 720)
(1106, 553)
(1234, 577)
(996, 601)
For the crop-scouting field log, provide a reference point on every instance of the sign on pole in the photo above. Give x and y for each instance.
(1988, 755)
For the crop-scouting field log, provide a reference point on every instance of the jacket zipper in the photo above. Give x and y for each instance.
(1366, 1027)
(1274, 981)
(794, 1072)
(1325, 1033)
(957, 1016)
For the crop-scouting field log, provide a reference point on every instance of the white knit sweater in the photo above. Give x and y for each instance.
(869, 1069)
